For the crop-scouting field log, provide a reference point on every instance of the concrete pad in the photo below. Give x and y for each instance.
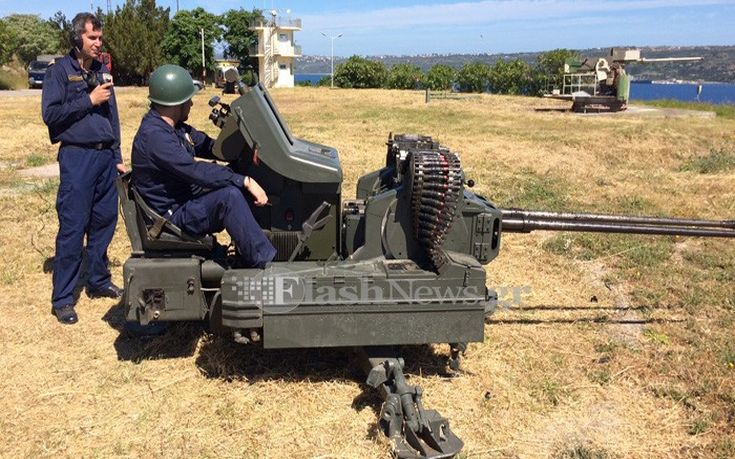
(668, 112)
(43, 172)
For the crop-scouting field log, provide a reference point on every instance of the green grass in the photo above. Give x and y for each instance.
(699, 425)
(37, 159)
(722, 110)
(550, 391)
(633, 251)
(657, 337)
(529, 190)
(718, 160)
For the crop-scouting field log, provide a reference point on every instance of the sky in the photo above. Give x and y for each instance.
(409, 27)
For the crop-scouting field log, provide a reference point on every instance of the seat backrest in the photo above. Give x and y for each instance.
(139, 218)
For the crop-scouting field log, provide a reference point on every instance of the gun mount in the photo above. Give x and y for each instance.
(401, 264)
(602, 84)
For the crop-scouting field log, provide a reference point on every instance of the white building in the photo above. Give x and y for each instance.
(276, 51)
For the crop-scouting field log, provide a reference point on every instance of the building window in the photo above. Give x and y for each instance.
(283, 66)
(283, 37)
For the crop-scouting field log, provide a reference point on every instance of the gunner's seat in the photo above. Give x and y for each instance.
(150, 232)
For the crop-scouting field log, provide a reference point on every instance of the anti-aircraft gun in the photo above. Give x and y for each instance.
(602, 84)
(402, 264)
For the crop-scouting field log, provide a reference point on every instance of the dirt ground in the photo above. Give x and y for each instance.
(621, 346)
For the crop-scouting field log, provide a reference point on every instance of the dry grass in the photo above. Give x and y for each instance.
(645, 370)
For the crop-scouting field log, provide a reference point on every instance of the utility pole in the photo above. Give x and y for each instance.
(334, 37)
(204, 67)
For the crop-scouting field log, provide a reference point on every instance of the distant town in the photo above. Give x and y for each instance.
(718, 64)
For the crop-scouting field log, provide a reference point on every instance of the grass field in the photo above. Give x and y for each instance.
(623, 348)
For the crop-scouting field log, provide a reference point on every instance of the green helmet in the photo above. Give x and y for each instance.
(170, 85)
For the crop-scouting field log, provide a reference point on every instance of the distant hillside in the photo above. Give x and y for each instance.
(718, 64)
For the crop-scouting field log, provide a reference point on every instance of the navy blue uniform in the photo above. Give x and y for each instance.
(86, 202)
(198, 197)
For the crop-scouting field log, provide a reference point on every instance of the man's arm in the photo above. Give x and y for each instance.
(56, 113)
(202, 143)
(203, 149)
(168, 154)
(115, 123)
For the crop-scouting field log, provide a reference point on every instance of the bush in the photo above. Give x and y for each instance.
(474, 77)
(440, 77)
(13, 76)
(29, 35)
(358, 72)
(405, 76)
(513, 77)
(550, 67)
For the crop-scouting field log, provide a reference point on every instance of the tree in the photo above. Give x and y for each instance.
(440, 77)
(512, 77)
(358, 72)
(550, 65)
(182, 44)
(5, 49)
(474, 77)
(62, 28)
(30, 36)
(133, 35)
(405, 76)
(238, 36)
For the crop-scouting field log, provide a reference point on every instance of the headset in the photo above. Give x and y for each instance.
(78, 26)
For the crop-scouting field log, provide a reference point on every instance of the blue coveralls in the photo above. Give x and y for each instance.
(86, 202)
(197, 196)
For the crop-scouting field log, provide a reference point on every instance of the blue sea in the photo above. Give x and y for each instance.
(716, 93)
(312, 78)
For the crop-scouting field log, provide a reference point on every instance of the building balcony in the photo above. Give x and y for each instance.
(285, 51)
(288, 51)
(281, 23)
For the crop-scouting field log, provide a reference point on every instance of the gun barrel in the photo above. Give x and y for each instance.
(522, 221)
(671, 59)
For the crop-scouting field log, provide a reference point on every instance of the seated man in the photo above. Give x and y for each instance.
(198, 197)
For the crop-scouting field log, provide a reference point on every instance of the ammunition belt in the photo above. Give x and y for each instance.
(436, 187)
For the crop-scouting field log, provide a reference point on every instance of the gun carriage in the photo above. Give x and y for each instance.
(401, 264)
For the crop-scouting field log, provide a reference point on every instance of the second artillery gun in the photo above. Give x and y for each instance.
(401, 264)
(603, 84)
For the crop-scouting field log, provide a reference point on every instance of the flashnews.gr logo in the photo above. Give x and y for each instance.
(282, 292)
(275, 292)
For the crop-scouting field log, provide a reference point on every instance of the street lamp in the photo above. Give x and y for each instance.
(333, 37)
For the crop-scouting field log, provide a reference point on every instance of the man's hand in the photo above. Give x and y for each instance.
(100, 94)
(121, 168)
(256, 191)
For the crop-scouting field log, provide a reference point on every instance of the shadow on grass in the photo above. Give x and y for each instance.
(175, 341)
(558, 110)
(599, 319)
(48, 265)
(592, 320)
(221, 358)
(583, 308)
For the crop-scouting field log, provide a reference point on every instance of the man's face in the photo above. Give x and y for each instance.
(185, 109)
(91, 41)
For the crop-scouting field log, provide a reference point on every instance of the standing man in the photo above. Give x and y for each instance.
(197, 196)
(78, 106)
